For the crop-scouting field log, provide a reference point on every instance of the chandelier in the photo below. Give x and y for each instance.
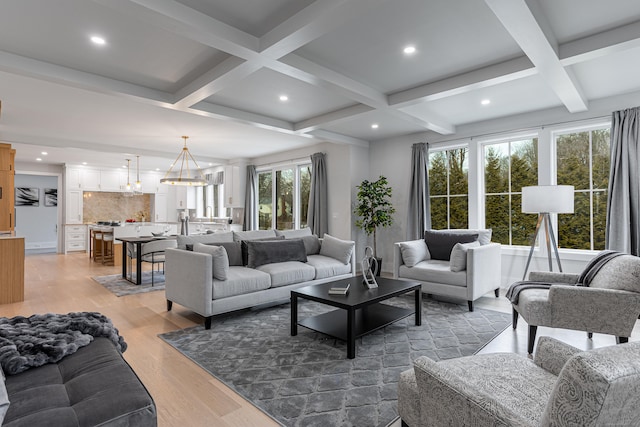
(184, 177)
(128, 190)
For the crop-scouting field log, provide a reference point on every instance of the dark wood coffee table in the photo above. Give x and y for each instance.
(360, 312)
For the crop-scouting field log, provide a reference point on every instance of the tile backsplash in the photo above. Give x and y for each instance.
(104, 206)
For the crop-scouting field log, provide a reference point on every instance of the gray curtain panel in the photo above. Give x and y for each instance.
(623, 201)
(318, 216)
(419, 216)
(251, 200)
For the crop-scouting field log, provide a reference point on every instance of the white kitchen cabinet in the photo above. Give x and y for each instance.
(90, 180)
(75, 238)
(233, 187)
(160, 207)
(185, 197)
(73, 205)
(151, 183)
(73, 178)
(111, 180)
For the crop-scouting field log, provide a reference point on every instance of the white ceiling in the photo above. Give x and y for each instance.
(214, 70)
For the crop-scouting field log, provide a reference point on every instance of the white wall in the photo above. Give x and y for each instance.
(37, 224)
(392, 158)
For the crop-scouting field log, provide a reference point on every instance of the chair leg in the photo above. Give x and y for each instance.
(207, 322)
(622, 340)
(590, 335)
(532, 338)
(470, 305)
(497, 292)
(169, 305)
(514, 319)
(403, 424)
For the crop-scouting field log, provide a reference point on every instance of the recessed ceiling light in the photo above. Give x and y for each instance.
(98, 40)
(38, 159)
(284, 98)
(210, 164)
(409, 50)
(84, 163)
(44, 153)
(157, 169)
(485, 102)
(375, 126)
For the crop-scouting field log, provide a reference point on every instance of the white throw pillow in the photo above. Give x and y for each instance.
(337, 248)
(458, 260)
(219, 257)
(414, 252)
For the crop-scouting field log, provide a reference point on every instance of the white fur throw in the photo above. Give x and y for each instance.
(39, 339)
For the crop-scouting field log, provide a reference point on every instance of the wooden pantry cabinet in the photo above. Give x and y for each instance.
(7, 175)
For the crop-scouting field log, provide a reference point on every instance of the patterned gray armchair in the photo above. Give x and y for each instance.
(562, 386)
(610, 304)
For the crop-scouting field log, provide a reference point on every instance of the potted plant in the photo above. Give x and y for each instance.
(374, 209)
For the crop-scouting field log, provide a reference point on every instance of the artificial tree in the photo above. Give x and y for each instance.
(374, 207)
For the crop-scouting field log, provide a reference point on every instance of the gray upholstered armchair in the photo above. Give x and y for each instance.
(609, 305)
(562, 386)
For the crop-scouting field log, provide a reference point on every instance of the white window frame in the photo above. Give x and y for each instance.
(448, 195)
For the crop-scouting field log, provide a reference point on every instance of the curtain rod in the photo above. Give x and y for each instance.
(306, 159)
(531, 128)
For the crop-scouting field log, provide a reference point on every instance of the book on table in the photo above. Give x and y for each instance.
(339, 290)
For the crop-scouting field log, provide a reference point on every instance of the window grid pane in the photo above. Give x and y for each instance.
(448, 188)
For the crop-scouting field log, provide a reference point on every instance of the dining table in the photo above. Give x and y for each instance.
(138, 241)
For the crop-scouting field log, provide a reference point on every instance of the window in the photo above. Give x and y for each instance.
(448, 188)
(583, 160)
(509, 166)
(208, 201)
(283, 197)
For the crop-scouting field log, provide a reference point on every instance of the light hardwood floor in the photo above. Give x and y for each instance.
(185, 394)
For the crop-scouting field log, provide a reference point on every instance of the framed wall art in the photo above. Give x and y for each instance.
(27, 196)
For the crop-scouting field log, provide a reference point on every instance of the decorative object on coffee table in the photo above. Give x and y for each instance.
(369, 268)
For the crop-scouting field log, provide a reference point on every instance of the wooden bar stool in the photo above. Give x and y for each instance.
(97, 245)
(107, 247)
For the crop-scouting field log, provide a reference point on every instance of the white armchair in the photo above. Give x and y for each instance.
(469, 273)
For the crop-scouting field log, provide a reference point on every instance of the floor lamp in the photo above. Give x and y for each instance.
(545, 200)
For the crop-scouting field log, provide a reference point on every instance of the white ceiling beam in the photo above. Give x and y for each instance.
(431, 121)
(492, 75)
(602, 44)
(530, 33)
(328, 136)
(221, 112)
(58, 74)
(337, 116)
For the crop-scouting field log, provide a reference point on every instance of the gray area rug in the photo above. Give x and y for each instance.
(307, 380)
(121, 287)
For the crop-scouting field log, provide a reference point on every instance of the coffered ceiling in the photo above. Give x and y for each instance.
(215, 70)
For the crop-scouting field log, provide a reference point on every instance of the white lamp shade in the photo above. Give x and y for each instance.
(547, 199)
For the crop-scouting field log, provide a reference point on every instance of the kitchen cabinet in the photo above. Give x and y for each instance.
(151, 183)
(83, 179)
(7, 195)
(112, 180)
(75, 238)
(160, 207)
(73, 206)
(233, 187)
(11, 269)
(185, 197)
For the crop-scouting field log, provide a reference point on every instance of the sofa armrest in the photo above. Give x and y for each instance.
(189, 279)
(397, 260)
(484, 270)
(447, 399)
(552, 277)
(609, 311)
(551, 354)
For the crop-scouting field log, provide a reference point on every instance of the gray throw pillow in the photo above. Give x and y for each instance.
(219, 258)
(311, 244)
(441, 244)
(234, 252)
(414, 251)
(245, 254)
(269, 252)
(458, 261)
(337, 249)
(183, 241)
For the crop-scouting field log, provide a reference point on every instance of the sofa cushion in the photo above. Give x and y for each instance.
(288, 272)
(245, 249)
(274, 251)
(241, 280)
(94, 386)
(218, 257)
(337, 248)
(294, 234)
(4, 397)
(458, 261)
(440, 243)
(234, 252)
(253, 235)
(414, 251)
(183, 241)
(434, 271)
(622, 273)
(327, 267)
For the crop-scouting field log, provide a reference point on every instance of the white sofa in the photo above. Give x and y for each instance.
(193, 279)
(472, 270)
